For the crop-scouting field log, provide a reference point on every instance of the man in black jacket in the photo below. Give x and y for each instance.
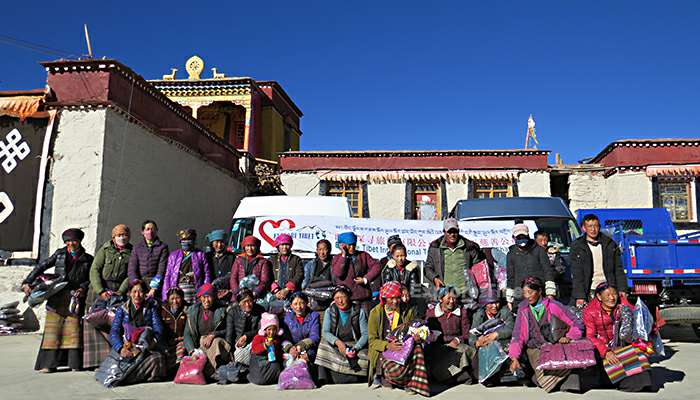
(220, 261)
(595, 258)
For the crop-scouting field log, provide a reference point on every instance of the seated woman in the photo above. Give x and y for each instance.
(609, 325)
(491, 314)
(342, 353)
(539, 321)
(135, 329)
(287, 267)
(449, 356)
(303, 329)
(174, 322)
(251, 262)
(266, 352)
(383, 319)
(242, 320)
(187, 267)
(206, 330)
(317, 272)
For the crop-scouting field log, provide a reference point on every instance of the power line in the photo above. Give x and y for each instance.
(39, 48)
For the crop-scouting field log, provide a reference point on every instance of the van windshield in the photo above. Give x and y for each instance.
(240, 228)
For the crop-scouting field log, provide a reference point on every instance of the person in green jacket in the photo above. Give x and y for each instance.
(383, 318)
(108, 278)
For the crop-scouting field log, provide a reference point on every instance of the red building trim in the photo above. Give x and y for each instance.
(110, 83)
(414, 160)
(639, 153)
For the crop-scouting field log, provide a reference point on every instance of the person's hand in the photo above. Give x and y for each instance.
(207, 341)
(551, 297)
(241, 341)
(281, 294)
(514, 364)
(438, 282)
(151, 293)
(105, 295)
(485, 340)
(417, 338)
(611, 358)
(305, 357)
(395, 346)
(79, 292)
(510, 306)
(359, 281)
(222, 293)
(26, 289)
(126, 353)
(454, 343)
(580, 302)
(564, 340)
(294, 352)
(341, 346)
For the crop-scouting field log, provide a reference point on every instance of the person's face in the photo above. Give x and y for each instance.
(246, 304)
(392, 303)
(592, 228)
(492, 308)
(448, 302)
(452, 236)
(218, 246)
(341, 300)
(250, 250)
(608, 297)
(284, 249)
(350, 248)
(405, 295)
(206, 301)
(299, 306)
(271, 330)
(175, 301)
(399, 255)
(322, 251)
(532, 296)
(72, 245)
(542, 240)
(136, 294)
(149, 231)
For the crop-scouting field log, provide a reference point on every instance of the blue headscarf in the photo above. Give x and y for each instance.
(347, 238)
(218, 234)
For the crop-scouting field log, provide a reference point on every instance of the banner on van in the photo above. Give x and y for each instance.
(372, 233)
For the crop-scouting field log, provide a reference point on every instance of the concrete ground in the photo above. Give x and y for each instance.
(678, 373)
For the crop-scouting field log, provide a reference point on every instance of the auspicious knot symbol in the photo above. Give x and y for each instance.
(12, 150)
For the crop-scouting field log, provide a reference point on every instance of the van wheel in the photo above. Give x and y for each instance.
(696, 329)
(681, 315)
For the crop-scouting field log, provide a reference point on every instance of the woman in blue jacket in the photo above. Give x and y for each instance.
(303, 329)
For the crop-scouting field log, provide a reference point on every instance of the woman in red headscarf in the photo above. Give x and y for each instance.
(251, 262)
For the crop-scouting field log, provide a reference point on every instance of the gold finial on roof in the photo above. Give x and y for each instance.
(194, 66)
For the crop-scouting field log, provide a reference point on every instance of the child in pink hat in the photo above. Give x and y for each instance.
(266, 349)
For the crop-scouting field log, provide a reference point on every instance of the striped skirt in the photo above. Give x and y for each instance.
(329, 357)
(61, 333)
(548, 380)
(413, 376)
(96, 346)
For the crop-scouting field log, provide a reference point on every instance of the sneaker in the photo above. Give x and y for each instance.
(376, 382)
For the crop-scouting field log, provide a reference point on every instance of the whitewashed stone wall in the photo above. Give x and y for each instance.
(629, 190)
(386, 200)
(300, 184)
(587, 190)
(455, 192)
(534, 184)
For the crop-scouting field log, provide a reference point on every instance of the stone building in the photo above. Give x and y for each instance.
(414, 184)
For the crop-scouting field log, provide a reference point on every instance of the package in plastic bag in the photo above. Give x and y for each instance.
(191, 370)
(231, 372)
(643, 321)
(658, 344)
(296, 377)
(491, 357)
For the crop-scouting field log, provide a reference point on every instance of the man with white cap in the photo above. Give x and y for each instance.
(525, 258)
(449, 258)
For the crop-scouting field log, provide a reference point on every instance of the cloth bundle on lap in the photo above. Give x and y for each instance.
(576, 354)
(633, 361)
(491, 357)
(230, 373)
(329, 357)
(191, 370)
(296, 377)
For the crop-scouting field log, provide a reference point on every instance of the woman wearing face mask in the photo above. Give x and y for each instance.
(108, 278)
(135, 330)
(61, 343)
(288, 268)
(541, 320)
(449, 356)
(342, 353)
(242, 320)
(252, 262)
(609, 325)
(187, 267)
(303, 329)
(525, 258)
(174, 321)
(149, 259)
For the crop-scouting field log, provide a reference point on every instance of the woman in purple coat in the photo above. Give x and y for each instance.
(303, 329)
(187, 267)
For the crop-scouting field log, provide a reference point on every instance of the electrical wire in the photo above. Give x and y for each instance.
(39, 48)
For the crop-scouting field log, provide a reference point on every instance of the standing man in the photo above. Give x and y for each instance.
(525, 259)
(450, 258)
(355, 269)
(595, 259)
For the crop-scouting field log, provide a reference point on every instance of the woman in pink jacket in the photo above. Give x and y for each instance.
(541, 320)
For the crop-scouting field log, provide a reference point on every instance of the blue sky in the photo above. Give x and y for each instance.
(410, 75)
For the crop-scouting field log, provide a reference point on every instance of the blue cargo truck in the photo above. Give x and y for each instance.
(662, 267)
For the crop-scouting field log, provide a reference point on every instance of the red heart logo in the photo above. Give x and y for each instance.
(275, 225)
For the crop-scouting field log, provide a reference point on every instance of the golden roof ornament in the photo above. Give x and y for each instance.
(194, 66)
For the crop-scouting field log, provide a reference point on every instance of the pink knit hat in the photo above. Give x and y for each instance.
(267, 320)
(283, 239)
